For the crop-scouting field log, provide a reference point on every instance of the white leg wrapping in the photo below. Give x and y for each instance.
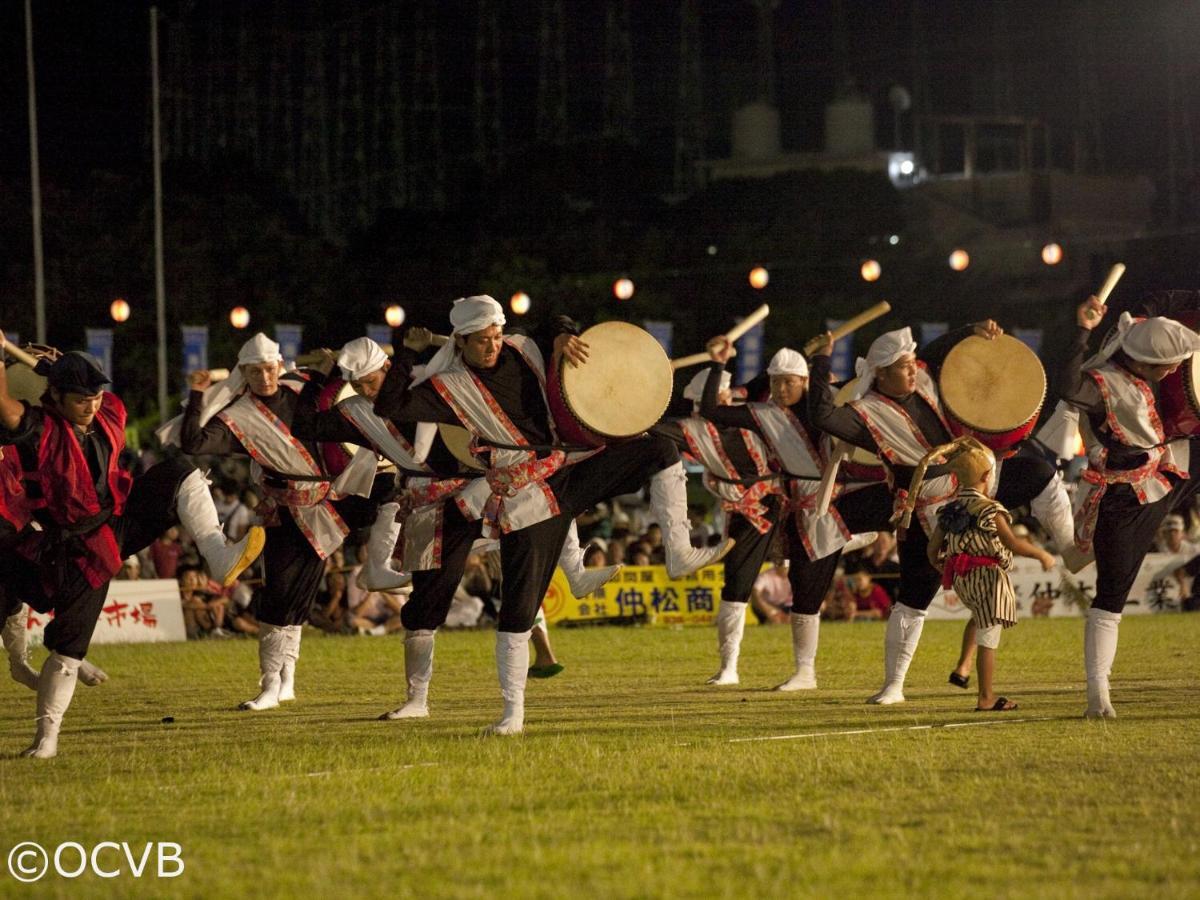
(272, 652)
(198, 515)
(583, 581)
(16, 645)
(91, 674)
(512, 665)
(903, 634)
(731, 623)
(806, 633)
(56, 686)
(381, 572)
(1099, 651)
(291, 653)
(418, 673)
(1052, 507)
(668, 499)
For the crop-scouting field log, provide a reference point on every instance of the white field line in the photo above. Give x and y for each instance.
(423, 765)
(817, 734)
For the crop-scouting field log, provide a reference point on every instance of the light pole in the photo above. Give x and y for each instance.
(160, 290)
(39, 277)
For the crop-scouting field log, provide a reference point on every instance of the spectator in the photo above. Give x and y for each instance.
(595, 557)
(870, 600)
(131, 569)
(203, 605)
(771, 596)
(880, 562)
(238, 614)
(165, 553)
(1171, 538)
(840, 603)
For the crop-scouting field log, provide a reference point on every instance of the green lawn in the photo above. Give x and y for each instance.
(629, 781)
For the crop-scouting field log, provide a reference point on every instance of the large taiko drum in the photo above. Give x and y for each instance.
(458, 441)
(622, 389)
(862, 465)
(1179, 392)
(992, 390)
(23, 382)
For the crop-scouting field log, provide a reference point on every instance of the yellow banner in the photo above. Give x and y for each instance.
(641, 593)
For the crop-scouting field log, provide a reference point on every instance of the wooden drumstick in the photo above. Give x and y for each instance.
(1114, 275)
(215, 375)
(731, 335)
(850, 326)
(20, 355)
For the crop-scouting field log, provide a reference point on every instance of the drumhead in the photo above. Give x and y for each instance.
(844, 395)
(458, 441)
(25, 384)
(625, 385)
(992, 385)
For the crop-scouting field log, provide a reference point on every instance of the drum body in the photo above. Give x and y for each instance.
(992, 390)
(26, 384)
(1179, 392)
(861, 465)
(622, 390)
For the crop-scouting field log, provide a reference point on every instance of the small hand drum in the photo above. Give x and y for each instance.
(26, 384)
(622, 390)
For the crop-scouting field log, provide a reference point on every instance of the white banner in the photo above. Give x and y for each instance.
(136, 612)
(1059, 593)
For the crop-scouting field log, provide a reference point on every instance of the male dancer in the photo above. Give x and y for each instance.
(495, 386)
(308, 511)
(1134, 476)
(92, 514)
(898, 415)
(800, 453)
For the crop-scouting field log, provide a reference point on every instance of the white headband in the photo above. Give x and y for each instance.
(259, 349)
(1158, 341)
(360, 357)
(467, 316)
(788, 362)
(885, 350)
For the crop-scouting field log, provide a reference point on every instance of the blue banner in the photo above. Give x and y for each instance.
(662, 331)
(1030, 337)
(750, 353)
(842, 361)
(195, 349)
(932, 330)
(100, 344)
(289, 337)
(380, 334)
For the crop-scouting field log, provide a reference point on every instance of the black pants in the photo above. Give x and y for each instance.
(868, 509)
(292, 570)
(149, 511)
(1125, 532)
(528, 556)
(743, 562)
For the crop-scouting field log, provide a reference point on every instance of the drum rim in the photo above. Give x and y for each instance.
(566, 402)
(998, 431)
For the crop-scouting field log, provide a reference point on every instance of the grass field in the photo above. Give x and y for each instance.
(633, 778)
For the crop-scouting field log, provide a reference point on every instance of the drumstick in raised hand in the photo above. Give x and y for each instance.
(20, 355)
(1114, 275)
(850, 326)
(731, 335)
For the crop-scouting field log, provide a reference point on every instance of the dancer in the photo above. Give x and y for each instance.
(92, 514)
(1135, 477)
(494, 385)
(306, 509)
(898, 415)
(799, 453)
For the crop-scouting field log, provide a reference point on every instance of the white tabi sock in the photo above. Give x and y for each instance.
(1099, 651)
(291, 655)
(197, 513)
(731, 624)
(16, 645)
(583, 581)
(272, 652)
(668, 499)
(381, 573)
(806, 633)
(56, 686)
(512, 666)
(900, 643)
(418, 673)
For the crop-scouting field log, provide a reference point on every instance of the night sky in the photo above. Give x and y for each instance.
(93, 83)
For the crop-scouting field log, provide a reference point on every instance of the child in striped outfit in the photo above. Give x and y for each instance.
(973, 545)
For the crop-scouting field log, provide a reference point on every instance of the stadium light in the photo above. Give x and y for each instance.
(119, 310)
(759, 277)
(870, 270)
(622, 289)
(1052, 254)
(239, 317)
(519, 303)
(959, 260)
(394, 315)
